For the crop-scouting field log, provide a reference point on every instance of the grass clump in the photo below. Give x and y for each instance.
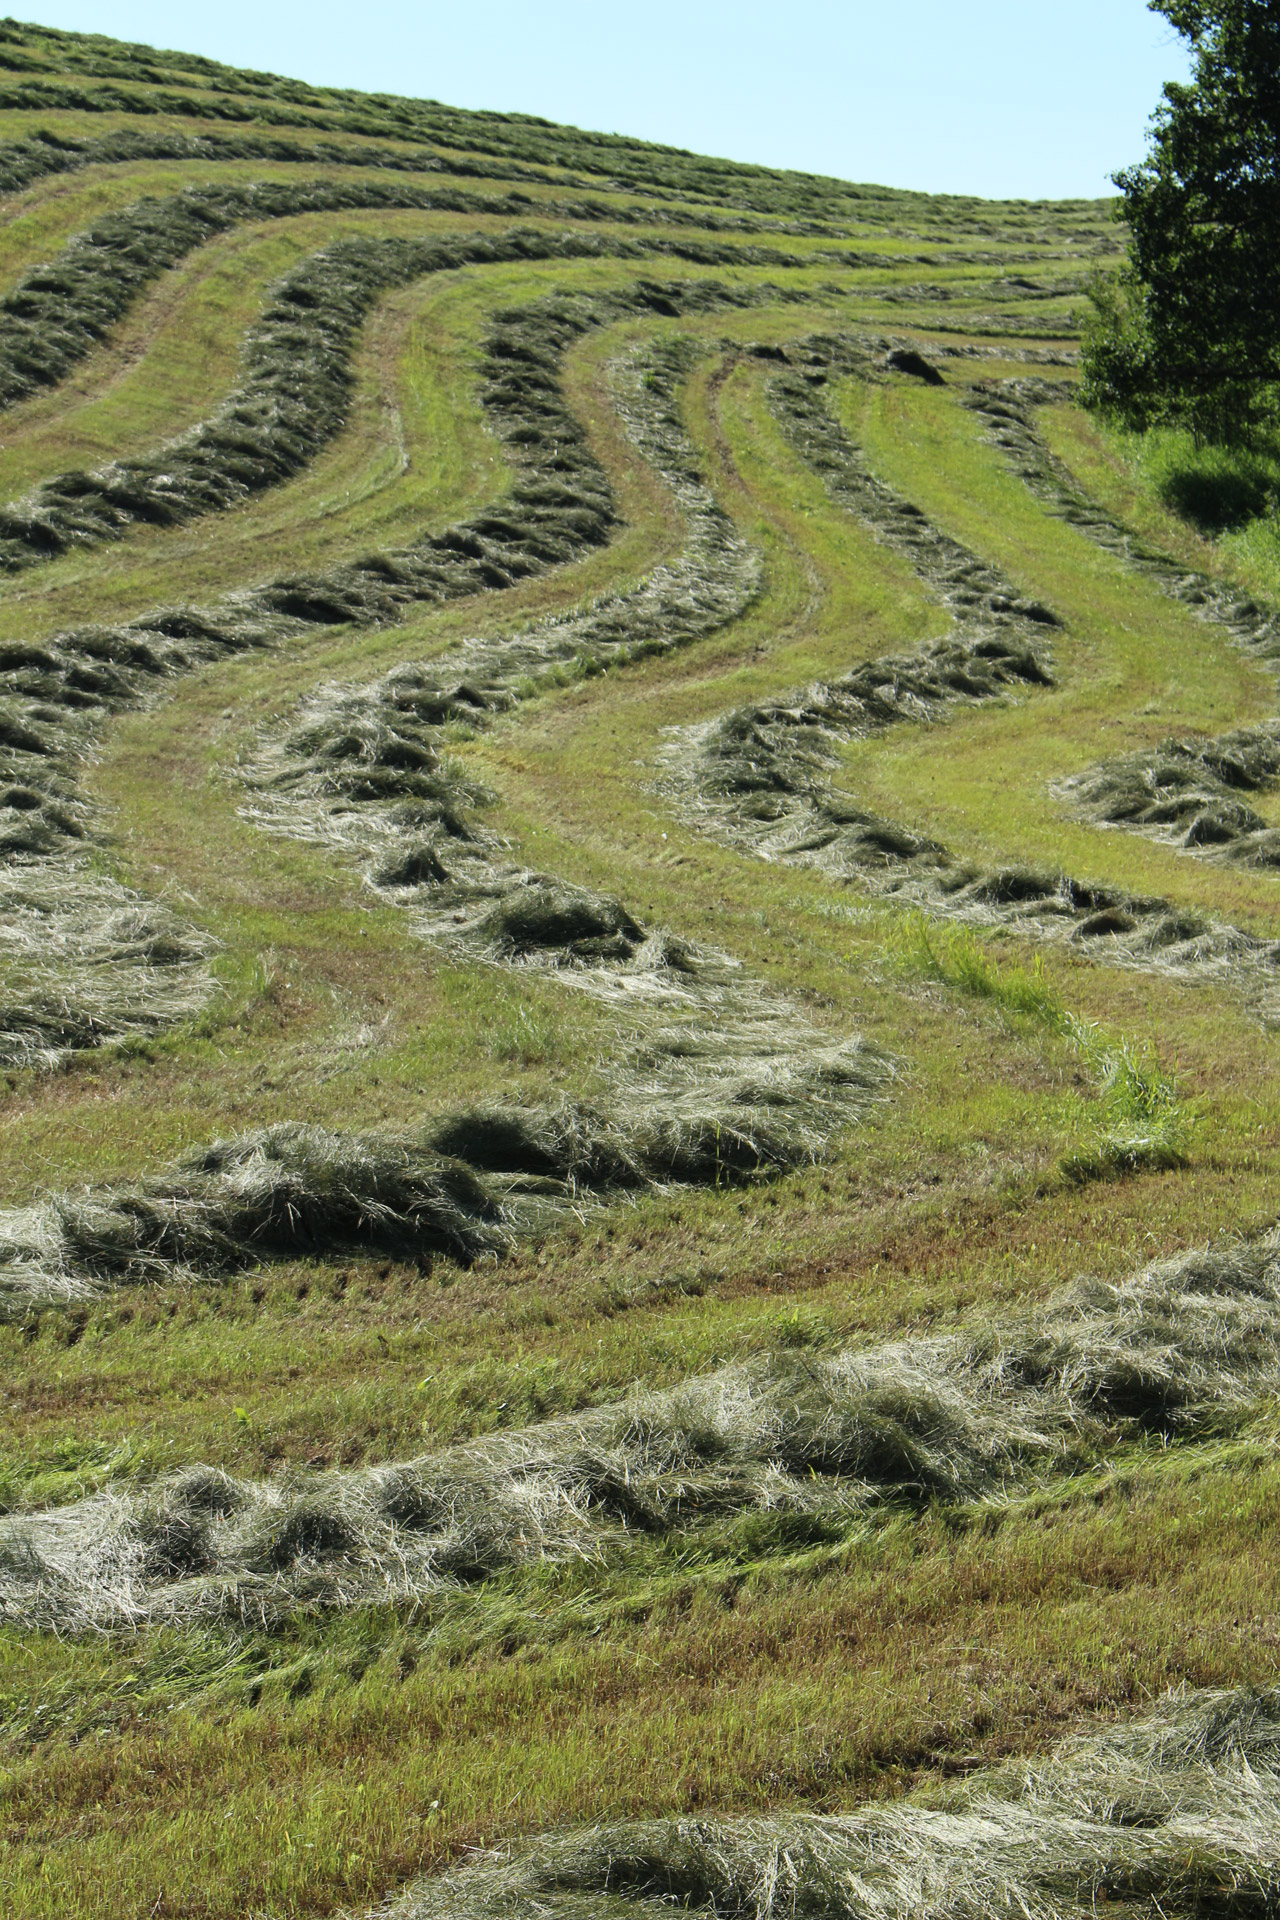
(1137, 1120)
(1141, 1123)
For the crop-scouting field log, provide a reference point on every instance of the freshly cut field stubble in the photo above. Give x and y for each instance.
(1177, 1811)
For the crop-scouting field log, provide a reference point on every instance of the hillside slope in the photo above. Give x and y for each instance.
(638, 976)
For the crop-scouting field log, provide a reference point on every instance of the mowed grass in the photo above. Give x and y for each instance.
(359, 1023)
(1131, 666)
(375, 484)
(367, 1755)
(308, 1771)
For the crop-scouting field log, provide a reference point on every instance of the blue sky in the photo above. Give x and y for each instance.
(1018, 98)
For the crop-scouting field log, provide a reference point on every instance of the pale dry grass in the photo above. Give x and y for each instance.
(1187, 1347)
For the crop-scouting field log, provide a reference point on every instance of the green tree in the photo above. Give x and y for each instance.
(1188, 331)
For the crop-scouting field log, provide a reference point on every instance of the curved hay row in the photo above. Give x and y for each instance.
(353, 753)
(292, 398)
(48, 155)
(62, 309)
(761, 777)
(1190, 792)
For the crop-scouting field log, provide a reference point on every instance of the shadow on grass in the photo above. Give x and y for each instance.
(1218, 489)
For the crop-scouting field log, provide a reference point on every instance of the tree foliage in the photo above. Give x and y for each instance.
(1189, 329)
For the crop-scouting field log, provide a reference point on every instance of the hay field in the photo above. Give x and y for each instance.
(639, 973)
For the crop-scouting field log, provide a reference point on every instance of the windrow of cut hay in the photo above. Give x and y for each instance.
(55, 695)
(976, 594)
(295, 387)
(1174, 1813)
(1186, 792)
(1190, 793)
(1185, 1348)
(114, 242)
(716, 1076)
(46, 154)
(715, 1082)
(760, 777)
(47, 71)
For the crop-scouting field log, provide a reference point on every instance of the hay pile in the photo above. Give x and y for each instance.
(1187, 1347)
(286, 1191)
(1188, 793)
(716, 1082)
(1176, 1813)
(84, 960)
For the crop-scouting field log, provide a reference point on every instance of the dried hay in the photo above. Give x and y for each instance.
(1176, 1813)
(1188, 793)
(1186, 1347)
(283, 1192)
(85, 961)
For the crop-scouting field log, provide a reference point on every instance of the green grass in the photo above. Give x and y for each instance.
(1216, 505)
(1138, 1120)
